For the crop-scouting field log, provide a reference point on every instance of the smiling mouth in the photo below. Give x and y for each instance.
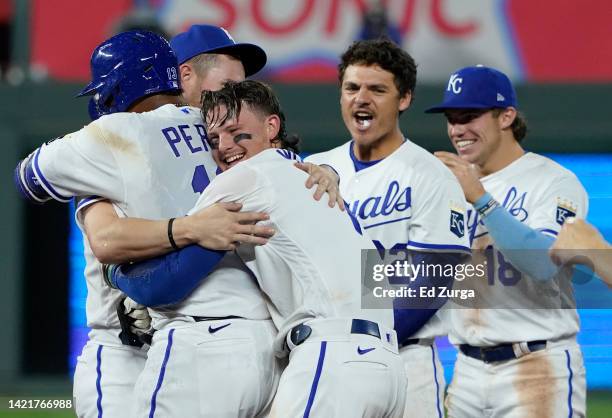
(363, 120)
(464, 144)
(233, 159)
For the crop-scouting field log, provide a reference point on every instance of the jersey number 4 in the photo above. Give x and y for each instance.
(200, 179)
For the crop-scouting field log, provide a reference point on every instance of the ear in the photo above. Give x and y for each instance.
(272, 125)
(186, 72)
(506, 117)
(405, 101)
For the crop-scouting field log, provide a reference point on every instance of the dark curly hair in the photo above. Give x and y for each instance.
(260, 99)
(388, 56)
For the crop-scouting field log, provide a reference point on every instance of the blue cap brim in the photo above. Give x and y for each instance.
(444, 107)
(253, 57)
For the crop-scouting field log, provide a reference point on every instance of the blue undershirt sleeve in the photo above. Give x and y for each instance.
(167, 279)
(524, 247)
(411, 314)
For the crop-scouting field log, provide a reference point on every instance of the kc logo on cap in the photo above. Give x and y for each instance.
(454, 83)
(477, 87)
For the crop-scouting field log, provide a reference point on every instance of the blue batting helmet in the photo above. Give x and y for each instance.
(128, 67)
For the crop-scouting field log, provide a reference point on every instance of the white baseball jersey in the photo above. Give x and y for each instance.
(541, 194)
(407, 200)
(151, 165)
(309, 268)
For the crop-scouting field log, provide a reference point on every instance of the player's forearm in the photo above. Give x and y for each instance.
(603, 265)
(131, 239)
(410, 314)
(166, 279)
(524, 247)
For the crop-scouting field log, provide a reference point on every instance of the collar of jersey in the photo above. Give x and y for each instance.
(361, 165)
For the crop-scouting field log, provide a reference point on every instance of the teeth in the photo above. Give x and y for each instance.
(465, 143)
(365, 123)
(233, 158)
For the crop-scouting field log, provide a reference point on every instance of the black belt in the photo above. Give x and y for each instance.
(214, 318)
(300, 333)
(500, 352)
(410, 341)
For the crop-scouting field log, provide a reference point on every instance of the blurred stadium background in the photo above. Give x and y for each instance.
(558, 52)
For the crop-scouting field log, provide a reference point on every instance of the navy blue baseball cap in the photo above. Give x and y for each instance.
(477, 87)
(207, 39)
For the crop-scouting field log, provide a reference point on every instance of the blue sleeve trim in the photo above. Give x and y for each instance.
(422, 245)
(26, 183)
(167, 279)
(510, 235)
(288, 154)
(45, 183)
(88, 201)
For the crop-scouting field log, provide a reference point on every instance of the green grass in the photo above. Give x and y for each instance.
(599, 405)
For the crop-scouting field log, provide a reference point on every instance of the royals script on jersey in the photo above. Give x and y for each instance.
(407, 200)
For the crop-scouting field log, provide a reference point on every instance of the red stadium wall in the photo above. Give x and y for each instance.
(65, 32)
(561, 40)
(536, 41)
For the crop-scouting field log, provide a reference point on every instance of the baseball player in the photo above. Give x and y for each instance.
(207, 56)
(511, 362)
(309, 278)
(112, 157)
(401, 195)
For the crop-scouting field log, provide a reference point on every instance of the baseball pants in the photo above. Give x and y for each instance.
(548, 383)
(425, 380)
(335, 373)
(104, 379)
(221, 369)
